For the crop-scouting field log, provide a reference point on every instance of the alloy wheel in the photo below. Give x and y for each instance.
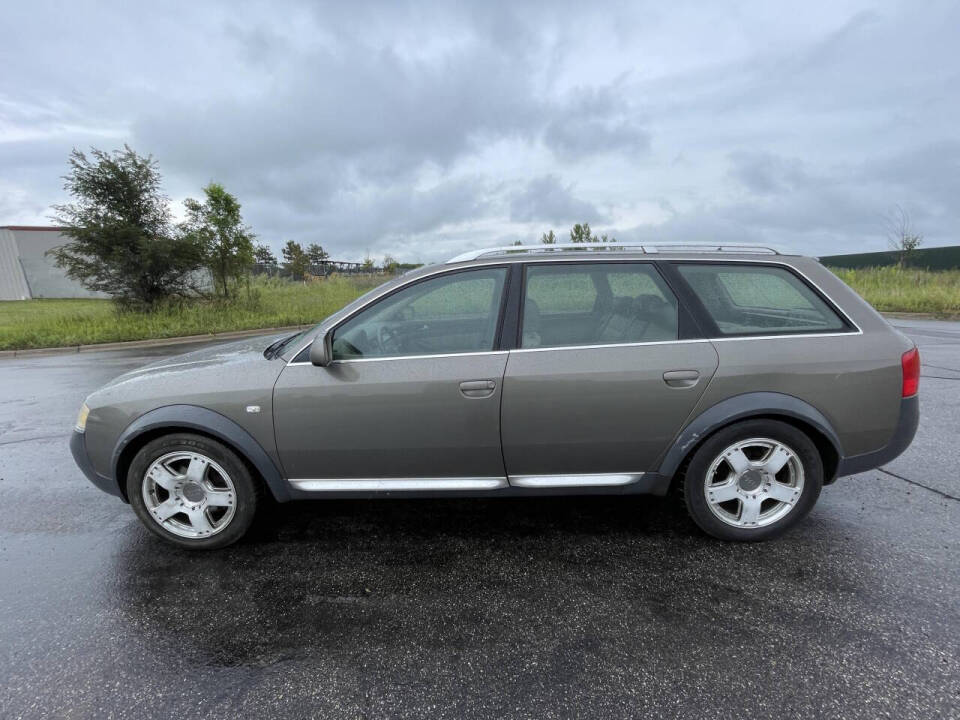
(754, 483)
(189, 495)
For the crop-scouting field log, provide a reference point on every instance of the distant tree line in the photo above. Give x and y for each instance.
(299, 262)
(579, 233)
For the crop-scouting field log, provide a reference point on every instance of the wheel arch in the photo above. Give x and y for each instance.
(756, 406)
(200, 421)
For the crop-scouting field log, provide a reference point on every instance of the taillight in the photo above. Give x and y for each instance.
(911, 372)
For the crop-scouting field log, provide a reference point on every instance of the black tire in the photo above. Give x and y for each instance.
(248, 489)
(694, 479)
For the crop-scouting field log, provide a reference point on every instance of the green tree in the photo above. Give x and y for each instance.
(295, 260)
(368, 265)
(263, 255)
(516, 243)
(390, 264)
(317, 255)
(217, 226)
(581, 233)
(122, 241)
(548, 238)
(903, 239)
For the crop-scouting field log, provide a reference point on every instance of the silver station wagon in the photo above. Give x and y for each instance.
(742, 378)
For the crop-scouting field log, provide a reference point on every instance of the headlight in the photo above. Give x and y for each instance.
(81, 425)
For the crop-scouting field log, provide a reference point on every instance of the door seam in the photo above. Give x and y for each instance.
(503, 390)
(690, 415)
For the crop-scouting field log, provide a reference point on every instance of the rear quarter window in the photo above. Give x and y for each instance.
(759, 300)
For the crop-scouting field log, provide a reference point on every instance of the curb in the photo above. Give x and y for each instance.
(152, 343)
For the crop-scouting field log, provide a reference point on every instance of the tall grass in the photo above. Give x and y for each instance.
(270, 303)
(892, 289)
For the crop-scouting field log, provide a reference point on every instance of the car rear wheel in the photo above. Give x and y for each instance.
(192, 491)
(753, 480)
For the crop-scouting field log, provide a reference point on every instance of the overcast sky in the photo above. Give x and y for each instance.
(425, 129)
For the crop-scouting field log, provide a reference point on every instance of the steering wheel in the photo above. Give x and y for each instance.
(388, 339)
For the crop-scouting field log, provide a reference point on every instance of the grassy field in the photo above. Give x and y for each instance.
(890, 289)
(53, 323)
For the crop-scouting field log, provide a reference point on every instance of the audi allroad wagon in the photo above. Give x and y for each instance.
(743, 378)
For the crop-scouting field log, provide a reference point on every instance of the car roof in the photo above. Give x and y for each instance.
(536, 254)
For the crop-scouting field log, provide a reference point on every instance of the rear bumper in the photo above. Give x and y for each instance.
(78, 447)
(902, 437)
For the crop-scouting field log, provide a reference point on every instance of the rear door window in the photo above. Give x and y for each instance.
(759, 300)
(596, 304)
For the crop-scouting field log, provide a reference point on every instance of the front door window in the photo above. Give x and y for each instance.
(455, 313)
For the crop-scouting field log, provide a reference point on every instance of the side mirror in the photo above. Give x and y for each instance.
(321, 350)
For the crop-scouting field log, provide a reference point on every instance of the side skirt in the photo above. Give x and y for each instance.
(516, 486)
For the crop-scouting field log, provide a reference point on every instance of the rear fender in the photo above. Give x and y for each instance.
(744, 407)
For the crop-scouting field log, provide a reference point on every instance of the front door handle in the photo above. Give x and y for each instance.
(681, 378)
(477, 388)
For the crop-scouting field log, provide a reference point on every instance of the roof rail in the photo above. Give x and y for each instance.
(645, 248)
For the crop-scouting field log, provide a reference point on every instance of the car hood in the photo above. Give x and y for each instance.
(227, 357)
(228, 379)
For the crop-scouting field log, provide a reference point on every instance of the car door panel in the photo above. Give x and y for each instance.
(391, 418)
(600, 409)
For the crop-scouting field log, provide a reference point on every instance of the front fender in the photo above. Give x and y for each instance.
(744, 407)
(193, 417)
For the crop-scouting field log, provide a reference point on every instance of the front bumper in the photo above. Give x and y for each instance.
(78, 447)
(902, 437)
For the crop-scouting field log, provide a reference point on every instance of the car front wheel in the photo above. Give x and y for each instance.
(753, 480)
(192, 491)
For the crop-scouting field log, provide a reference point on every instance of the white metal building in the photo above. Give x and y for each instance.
(25, 270)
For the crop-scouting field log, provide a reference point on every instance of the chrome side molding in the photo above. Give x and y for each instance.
(559, 481)
(322, 485)
(387, 484)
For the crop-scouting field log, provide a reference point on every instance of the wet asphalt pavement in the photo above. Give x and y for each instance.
(542, 608)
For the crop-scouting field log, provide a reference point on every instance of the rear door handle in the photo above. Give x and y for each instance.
(477, 388)
(681, 378)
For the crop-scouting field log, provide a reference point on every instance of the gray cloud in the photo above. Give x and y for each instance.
(595, 121)
(766, 174)
(930, 173)
(546, 199)
(423, 128)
